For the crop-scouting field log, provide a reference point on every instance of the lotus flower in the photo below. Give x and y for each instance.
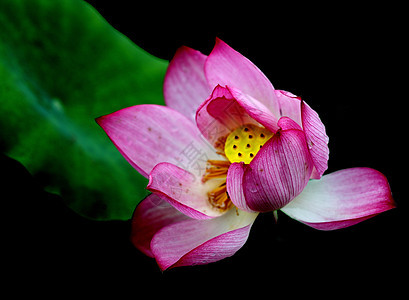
(226, 147)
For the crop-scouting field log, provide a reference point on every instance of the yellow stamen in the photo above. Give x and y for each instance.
(216, 169)
(219, 198)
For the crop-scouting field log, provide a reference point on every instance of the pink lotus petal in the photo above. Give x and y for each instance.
(229, 108)
(185, 86)
(183, 190)
(255, 109)
(289, 105)
(317, 140)
(227, 67)
(220, 115)
(342, 199)
(280, 170)
(149, 134)
(234, 185)
(195, 242)
(150, 215)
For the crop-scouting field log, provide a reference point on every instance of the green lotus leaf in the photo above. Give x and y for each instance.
(61, 66)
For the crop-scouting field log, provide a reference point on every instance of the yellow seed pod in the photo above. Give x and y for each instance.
(243, 143)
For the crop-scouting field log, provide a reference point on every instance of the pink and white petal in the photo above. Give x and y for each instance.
(342, 199)
(227, 67)
(185, 86)
(182, 189)
(219, 115)
(255, 109)
(280, 170)
(196, 242)
(289, 105)
(234, 185)
(317, 140)
(149, 217)
(149, 134)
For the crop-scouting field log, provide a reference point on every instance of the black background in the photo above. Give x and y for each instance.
(344, 61)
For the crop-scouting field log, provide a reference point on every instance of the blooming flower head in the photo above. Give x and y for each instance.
(227, 147)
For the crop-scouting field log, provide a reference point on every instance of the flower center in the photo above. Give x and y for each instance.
(243, 143)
